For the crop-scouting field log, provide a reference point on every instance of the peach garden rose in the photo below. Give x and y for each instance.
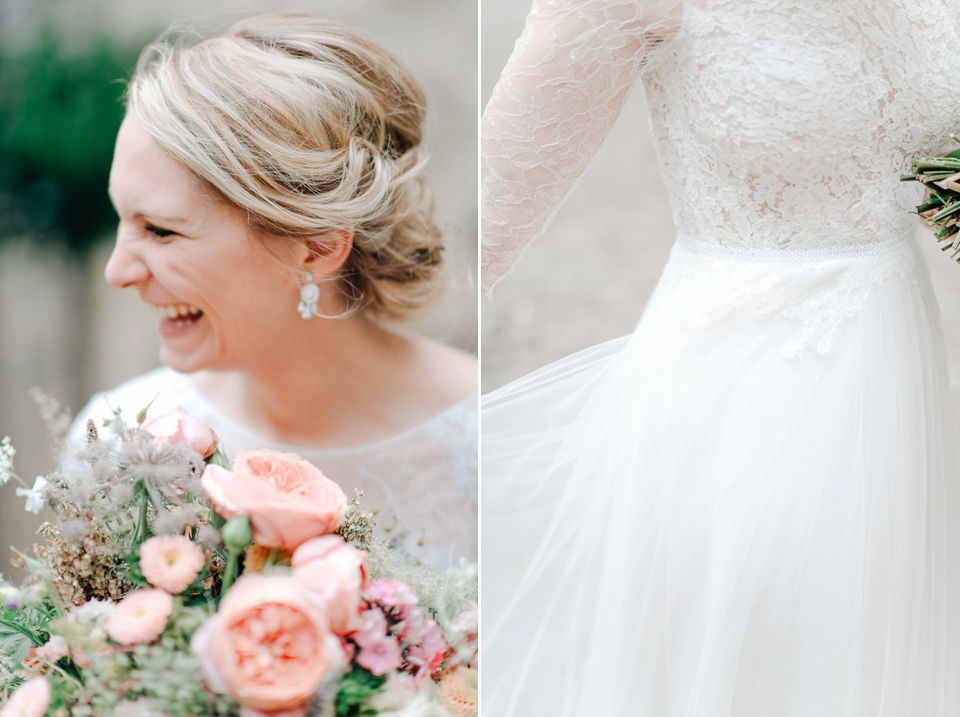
(287, 499)
(334, 573)
(267, 646)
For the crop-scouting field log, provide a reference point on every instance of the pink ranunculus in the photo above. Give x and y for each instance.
(392, 593)
(373, 627)
(287, 499)
(429, 654)
(427, 646)
(267, 646)
(178, 426)
(171, 562)
(413, 623)
(31, 699)
(140, 617)
(381, 656)
(334, 574)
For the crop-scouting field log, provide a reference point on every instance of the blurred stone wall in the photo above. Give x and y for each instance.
(64, 330)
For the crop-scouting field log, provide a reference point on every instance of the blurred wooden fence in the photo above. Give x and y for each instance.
(65, 331)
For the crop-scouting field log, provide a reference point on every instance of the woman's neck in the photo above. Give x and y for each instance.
(346, 382)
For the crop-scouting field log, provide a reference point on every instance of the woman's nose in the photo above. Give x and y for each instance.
(125, 267)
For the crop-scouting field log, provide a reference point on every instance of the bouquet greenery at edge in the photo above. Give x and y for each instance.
(941, 177)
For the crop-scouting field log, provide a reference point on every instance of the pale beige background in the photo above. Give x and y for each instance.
(63, 329)
(587, 279)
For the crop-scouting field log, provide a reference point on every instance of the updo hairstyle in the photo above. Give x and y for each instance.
(311, 128)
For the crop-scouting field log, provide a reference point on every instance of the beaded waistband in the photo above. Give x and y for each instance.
(791, 255)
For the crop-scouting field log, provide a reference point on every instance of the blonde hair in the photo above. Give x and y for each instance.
(311, 128)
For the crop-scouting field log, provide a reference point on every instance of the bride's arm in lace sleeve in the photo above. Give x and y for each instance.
(560, 92)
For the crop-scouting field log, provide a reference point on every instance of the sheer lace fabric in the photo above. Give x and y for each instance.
(564, 85)
(778, 124)
(423, 480)
(787, 124)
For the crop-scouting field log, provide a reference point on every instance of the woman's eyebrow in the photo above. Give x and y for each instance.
(140, 214)
(159, 218)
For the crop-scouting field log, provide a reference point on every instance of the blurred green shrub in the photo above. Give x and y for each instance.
(59, 115)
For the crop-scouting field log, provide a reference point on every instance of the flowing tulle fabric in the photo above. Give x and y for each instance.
(744, 509)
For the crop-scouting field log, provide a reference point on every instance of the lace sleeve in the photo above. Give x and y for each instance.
(562, 89)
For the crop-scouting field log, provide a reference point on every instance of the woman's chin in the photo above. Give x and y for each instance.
(182, 345)
(179, 363)
(182, 359)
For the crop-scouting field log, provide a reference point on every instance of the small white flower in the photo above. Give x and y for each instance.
(7, 452)
(91, 618)
(92, 610)
(35, 499)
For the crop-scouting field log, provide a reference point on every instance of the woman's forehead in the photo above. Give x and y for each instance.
(145, 180)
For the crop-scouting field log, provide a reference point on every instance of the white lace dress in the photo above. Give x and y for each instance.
(748, 507)
(423, 480)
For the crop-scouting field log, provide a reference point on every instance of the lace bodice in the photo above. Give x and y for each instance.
(423, 480)
(779, 123)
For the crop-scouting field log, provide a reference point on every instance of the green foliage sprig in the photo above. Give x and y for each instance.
(356, 687)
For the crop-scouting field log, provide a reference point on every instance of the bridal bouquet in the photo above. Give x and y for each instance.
(941, 177)
(171, 583)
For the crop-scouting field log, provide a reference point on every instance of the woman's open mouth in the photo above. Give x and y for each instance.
(174, 318)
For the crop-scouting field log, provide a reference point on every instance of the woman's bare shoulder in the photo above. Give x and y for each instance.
(448, 374)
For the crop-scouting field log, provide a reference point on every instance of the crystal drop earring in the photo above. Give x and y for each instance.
(309, 297)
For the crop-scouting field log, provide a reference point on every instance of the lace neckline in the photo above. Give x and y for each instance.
(451, 412)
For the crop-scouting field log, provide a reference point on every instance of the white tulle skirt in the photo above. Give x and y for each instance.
(748, 507)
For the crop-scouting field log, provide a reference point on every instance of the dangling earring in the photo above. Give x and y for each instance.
(309, 297)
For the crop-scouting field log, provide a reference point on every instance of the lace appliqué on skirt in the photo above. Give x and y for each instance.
(816, 288)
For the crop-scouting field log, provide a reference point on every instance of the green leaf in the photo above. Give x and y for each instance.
(21, 630)
(356, 687)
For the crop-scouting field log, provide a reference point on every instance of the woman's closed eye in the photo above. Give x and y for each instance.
(158, 231)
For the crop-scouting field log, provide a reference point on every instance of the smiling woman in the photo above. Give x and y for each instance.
(274, 208)
(213, 278)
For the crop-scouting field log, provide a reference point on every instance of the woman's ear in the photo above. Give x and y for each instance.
(324, 254)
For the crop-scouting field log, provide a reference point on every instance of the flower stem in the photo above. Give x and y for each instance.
(230, 571)
(142, 530)
(19, 480)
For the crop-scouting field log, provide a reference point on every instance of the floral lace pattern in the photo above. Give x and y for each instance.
(763, 143)
(800, 144)
(563, 88)
(817, 290)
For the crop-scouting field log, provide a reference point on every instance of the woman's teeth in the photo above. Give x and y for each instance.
(180, 313)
